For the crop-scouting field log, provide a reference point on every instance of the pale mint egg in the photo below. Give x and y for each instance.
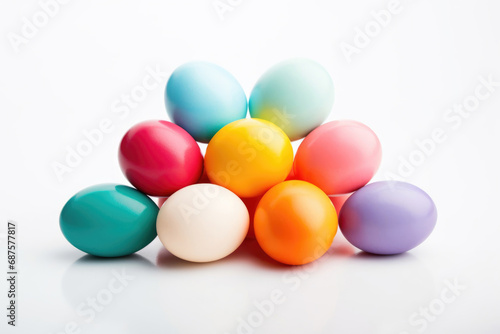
(296, 95)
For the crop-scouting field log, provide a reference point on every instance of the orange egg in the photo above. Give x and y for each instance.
(295, 222)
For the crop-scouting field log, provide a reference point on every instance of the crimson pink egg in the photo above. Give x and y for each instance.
(159, 158)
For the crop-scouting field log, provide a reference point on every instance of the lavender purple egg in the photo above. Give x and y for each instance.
(388, 217)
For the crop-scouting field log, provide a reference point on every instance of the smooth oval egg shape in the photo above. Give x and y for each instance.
(248, 157)
(295, 222)
(159, 158)
(339, 157)
(109, 220)
(202, 97)
(297, 95)
(202, 223)
(388, 217)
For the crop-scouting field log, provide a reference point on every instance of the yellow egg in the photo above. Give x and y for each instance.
(248, 157)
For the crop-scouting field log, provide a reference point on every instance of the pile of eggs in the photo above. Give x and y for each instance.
(249, 184)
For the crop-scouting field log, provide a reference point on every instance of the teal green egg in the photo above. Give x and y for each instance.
(109, 220)
(297, 95)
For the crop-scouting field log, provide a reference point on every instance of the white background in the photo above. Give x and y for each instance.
(69, 74)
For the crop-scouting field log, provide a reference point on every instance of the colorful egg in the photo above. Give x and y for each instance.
(339, 157)
(204, 177)
(159, 158)
(161, 200)
(202, 223)
(295, 222)
(291, 175)
(297, 95)
(248, 157)
(109, 220)
(388, 217)
(338, 201)
(202, 97)
(251, 204)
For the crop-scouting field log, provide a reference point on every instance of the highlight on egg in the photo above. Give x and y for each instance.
(202, 97)
(202, 223)
(297, 95)
(159, 157)
(109, 220)
(388, 217)
(339, 157)
(248, 157)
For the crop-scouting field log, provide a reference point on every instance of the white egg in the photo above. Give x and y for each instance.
(202, 223)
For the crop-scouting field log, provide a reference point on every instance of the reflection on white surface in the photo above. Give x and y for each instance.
(234, 295)
(111, 293)
(345, 291)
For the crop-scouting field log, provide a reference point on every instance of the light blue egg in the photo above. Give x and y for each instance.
(296, 95)
(109, 220)
(202, 97)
